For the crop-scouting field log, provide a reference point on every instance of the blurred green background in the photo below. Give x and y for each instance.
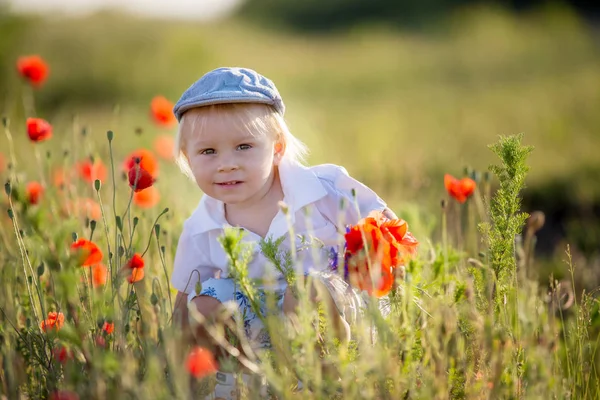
(398, 92)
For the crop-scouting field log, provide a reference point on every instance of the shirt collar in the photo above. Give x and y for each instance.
(300, 187)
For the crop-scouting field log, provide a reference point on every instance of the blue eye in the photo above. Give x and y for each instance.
(244, 147)
(207, 151)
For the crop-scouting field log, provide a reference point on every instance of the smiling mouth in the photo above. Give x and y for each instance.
(228, 183)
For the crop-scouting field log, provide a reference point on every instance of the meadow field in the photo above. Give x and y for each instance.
(479, 313)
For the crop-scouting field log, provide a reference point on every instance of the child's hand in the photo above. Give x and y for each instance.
(385, 214)
(389, 214)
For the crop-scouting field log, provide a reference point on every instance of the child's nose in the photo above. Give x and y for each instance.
(227, 164)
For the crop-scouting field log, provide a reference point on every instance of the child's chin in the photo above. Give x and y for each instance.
(231, 199)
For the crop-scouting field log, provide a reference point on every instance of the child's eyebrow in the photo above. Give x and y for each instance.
(246, 139)
(236, 140)
(202, 142)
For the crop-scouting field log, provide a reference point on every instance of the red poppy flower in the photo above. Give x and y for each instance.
(135, 262)
(146, 198)
(62, 354)
(89, 252)
(89, 171)
(99, 275)
(147, 161)
(33, 68)
(201, 362)
(389, 245)
(362, 278)
(34, 192)
(2, 163)
(161, 110)
(137, 274)
(139, 178)
(164, 146)
(38, 129)
(64, 395)
(54, 321)
(134, 269)
(460, 189)
(108, 327)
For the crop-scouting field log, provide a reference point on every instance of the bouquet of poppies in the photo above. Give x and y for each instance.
(375, 247)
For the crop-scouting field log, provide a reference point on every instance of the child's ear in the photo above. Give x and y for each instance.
(278, 149)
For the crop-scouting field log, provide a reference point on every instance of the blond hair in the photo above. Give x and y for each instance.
(255, 118)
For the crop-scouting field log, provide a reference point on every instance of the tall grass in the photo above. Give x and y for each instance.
(462, 323)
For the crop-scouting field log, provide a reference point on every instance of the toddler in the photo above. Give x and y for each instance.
(234, 143)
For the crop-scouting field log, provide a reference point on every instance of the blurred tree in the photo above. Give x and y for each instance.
(324, 15)
(330, 15)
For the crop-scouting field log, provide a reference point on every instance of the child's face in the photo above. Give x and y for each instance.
(230, 164)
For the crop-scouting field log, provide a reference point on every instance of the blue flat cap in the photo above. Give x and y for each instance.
(229, 85)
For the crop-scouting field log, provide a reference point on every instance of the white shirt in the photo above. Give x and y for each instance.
(313, 196)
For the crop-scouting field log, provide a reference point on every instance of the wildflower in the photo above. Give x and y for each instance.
(146, 159)
(89, 252)
(34, 192)
(139, 178)
(146, 198)
(89, 171)
(99, 275)
(201, 362)
(137, 274)
(134, 269)
(55, 320)
(108, 327)
(135, 262)
(164, 146)
(62, 354)
(376, 242)
(38, 129)
(2, 163)
(392, 236)
(460, 189)
(64, 395)
(161, 110)
(33, 68)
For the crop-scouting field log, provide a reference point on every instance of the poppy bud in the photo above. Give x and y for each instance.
(139, 178)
